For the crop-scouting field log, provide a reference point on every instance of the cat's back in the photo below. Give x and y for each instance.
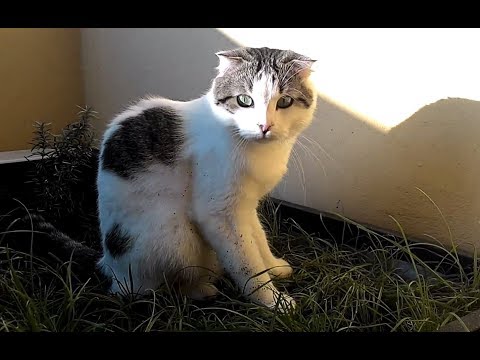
(148, 132)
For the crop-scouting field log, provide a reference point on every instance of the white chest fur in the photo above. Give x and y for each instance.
(265, 166)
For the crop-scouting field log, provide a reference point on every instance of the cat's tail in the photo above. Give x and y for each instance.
(34, 236)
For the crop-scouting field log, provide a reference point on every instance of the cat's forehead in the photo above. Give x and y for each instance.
(254, 61)
(264, 86)
(264, 55)
(264, 60)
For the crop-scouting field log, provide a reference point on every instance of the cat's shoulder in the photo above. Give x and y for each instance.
(150, 105)
(144, 116)
(149, 130)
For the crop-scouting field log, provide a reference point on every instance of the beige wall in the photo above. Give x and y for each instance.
(41, 80)
(398, 110)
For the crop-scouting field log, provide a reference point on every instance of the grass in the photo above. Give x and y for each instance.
(345, 285)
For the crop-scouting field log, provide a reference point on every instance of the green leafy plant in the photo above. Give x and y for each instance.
(64, 169)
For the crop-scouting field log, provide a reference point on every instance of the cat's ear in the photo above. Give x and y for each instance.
(300, 65)
(303, 67)
(228, 59)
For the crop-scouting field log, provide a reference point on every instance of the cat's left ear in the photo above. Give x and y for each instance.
(303, 67)
(300, 65)
(228, 59)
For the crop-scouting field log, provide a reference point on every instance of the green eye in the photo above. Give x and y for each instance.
(284, 102)
(244, 101)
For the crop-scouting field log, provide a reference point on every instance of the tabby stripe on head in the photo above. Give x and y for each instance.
(224, 99)
(307, 100)
(154, 135)
(117, 242)
(305, 103)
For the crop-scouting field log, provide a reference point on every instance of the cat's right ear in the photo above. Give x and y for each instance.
(228, 59)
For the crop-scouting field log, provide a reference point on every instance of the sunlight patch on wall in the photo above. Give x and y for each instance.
(382, 76)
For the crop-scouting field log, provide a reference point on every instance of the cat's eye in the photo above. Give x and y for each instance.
(284, 102)
(244, 101)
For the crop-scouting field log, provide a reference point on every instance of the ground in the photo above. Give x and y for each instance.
(359, 281)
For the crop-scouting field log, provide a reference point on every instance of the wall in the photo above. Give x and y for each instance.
(41, 80)
(395, 134)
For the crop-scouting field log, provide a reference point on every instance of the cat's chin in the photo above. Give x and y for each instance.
(257, 138)
(264, 140)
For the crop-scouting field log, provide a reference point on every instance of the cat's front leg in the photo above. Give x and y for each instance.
(229, 232)
(278, 268)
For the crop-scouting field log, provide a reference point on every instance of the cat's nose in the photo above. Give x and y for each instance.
(265, 128)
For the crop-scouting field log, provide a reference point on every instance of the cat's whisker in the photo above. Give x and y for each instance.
(287, 71)
(294, 162)
(298, 161)
(313, 142)
(240, 143)
(284, 180)
(308, 151)
(235, 149)
(299, 71)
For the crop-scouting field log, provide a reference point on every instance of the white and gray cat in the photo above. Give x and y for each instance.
(179, 182)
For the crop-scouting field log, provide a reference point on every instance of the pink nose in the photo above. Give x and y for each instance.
(265, 128)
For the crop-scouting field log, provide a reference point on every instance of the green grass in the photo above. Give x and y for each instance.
(337, 288)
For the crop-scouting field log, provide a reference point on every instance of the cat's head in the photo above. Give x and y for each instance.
(264, 94)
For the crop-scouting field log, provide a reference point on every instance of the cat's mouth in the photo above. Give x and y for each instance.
(259, 138)
(265, 137)
(256, 137)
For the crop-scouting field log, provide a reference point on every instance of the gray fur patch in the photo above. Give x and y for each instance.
(282, 66)
(116, 242)
(155, 135)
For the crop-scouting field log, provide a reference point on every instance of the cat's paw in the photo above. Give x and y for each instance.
(283, 303)
(200, 291)
(280, 269)
(270, 297)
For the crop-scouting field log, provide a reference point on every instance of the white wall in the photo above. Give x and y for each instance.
(384, 129)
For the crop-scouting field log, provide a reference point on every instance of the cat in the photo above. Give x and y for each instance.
(179, 182)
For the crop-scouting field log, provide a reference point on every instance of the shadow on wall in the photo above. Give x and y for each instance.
(369, 174)
(437, 150)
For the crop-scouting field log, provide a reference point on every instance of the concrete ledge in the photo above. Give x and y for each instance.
(7, 157)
